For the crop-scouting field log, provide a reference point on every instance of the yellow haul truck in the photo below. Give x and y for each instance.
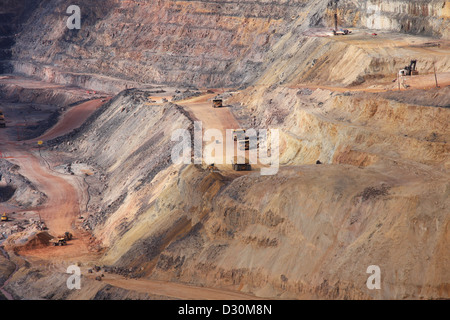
(217, 103)
(239, 164)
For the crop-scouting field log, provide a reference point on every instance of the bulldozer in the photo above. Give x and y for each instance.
(241, 164)
(4, 217)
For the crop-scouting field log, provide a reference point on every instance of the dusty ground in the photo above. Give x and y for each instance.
(63, 209)
(364, 163)
(109, 245)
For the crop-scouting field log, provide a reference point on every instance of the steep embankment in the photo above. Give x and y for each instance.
(127, 142)
(13, 14)
(312, 234)
(383, 194)
(353, 128)
(179, 42)
(425, 17)
(223, 44)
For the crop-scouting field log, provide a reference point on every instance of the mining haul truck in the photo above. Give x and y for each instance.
(241, 164)
(62, 240)
(217, 103)
(2, 120)
(244, 144)
(58, 242)
(238, 134)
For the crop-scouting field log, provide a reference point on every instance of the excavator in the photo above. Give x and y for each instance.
(411, 69)
(4, 217)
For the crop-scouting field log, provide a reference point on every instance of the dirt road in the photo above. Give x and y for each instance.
(62, 207)
(175, 290)
(426, 81)
(200, 108)
(212, 118)
(72, 119)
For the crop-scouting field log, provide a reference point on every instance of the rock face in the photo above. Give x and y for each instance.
(12, 15)
(179, 42)
(380, 194)
(128, 142)
(418, 16)
(201, 43)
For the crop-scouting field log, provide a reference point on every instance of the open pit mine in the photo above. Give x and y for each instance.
(224, 150)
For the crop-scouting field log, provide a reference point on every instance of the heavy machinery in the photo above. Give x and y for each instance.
(62, 240)
(244, 143)
(342, 32)
(4, 217)
(411, 69)
(58, 242)
(336, 32)
(212, 168)
(67, 236)
(217, 103)
(238, 134)
(241, 164)
(2, 120)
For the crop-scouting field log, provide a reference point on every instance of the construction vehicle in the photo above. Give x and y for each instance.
(4, 217)
(336, 32)
(217, 103)
(58, 242)
(238, 134)
(342, 32)
(67, 236)
(411, 69)
(241, 164)
(244, 144)
(2, 120)
(212, 168)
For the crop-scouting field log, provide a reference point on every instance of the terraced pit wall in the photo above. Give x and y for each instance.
(201, 43)
(424, 17)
